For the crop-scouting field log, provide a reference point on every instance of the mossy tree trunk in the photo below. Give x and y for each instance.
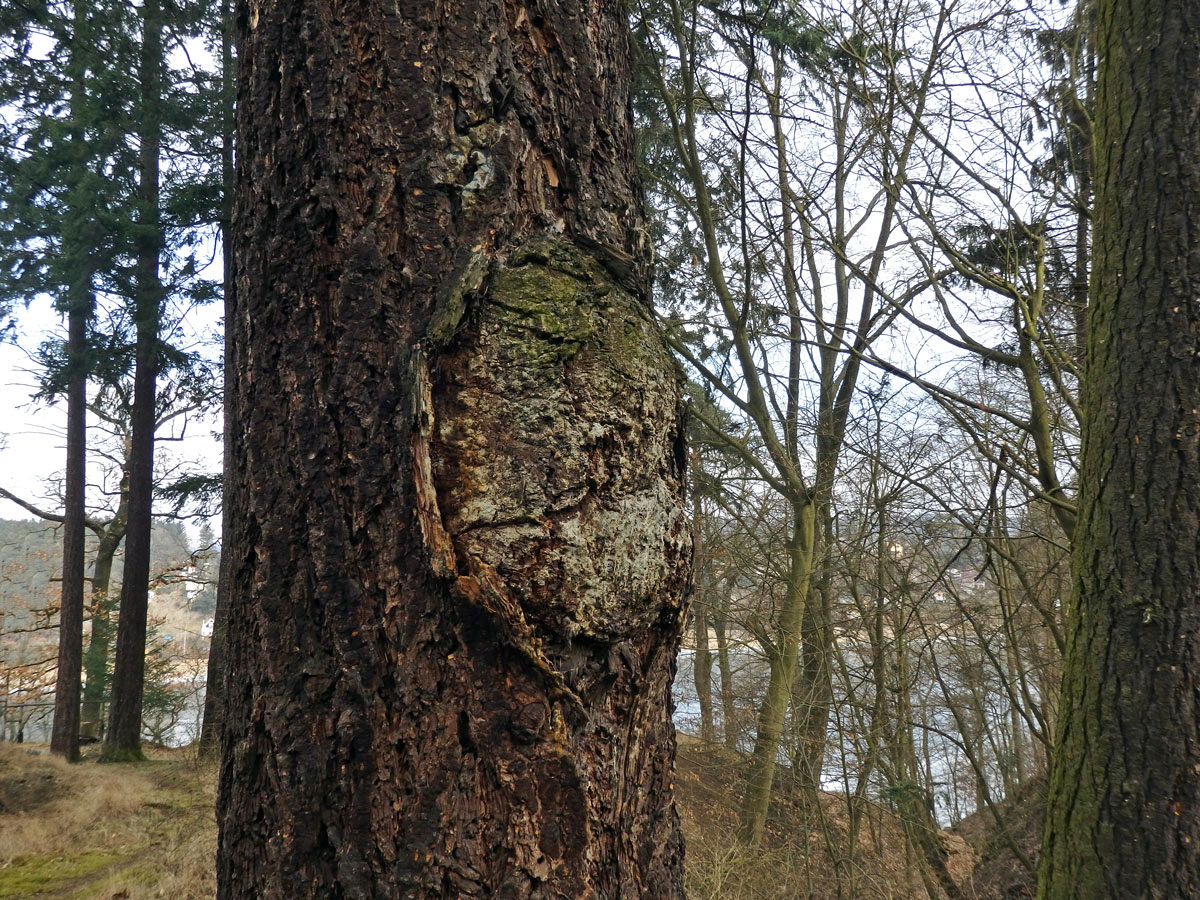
(783, 657)
(459, 538)
(1124, 808)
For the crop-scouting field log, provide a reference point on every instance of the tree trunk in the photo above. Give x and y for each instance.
(214, 685)
(95, 660)
(64, 737)
(813, 694)
(702, 662)
(756, 800)
(123, 740)
(702, 672)
(460, 538)
(729, 719)
(1124, 808)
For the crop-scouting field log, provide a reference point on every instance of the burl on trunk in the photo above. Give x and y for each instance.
(458, 524)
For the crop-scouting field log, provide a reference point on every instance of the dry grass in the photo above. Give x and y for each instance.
(805, 852)
(146, 830)
(89, 831)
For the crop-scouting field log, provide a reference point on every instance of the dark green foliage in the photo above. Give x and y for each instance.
(65, 170)
(70, 221)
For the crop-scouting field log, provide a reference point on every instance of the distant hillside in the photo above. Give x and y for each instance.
(31, 563)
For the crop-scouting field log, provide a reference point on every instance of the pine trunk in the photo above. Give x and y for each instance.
(1124, 808)
(460, 543)
(123, 739)
(64, 737)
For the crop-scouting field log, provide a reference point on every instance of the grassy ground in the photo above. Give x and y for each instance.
(146, 830)
(92, 832)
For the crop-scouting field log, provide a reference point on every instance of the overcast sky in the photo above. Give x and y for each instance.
(32, 445)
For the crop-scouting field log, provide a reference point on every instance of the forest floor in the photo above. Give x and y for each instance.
(105, 832)
(147, 830)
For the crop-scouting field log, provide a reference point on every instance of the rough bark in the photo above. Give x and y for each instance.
(1124, 809)
(459, 545)
(123, 738)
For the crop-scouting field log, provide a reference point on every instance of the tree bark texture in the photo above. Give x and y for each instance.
(460, 544)
(124, 736)
(1124, 809)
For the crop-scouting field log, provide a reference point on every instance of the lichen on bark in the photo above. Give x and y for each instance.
(556, 375)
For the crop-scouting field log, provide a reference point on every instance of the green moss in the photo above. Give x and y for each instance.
(30, 875)
(553, 299)
(547, 304)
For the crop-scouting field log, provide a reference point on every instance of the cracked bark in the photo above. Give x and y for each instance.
(1124, 810)
(459, 536)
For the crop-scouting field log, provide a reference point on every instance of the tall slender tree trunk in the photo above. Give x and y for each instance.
(702, 662)
(1124, 808)
(756, 801)
(64, 737)
(123, 739)
(702, 672)
(460, 539)
(729, 718)
(214, 685)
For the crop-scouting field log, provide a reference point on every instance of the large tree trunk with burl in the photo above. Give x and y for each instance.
(459, 533)
(1124, 807)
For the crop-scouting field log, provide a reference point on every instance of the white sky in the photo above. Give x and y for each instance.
(32, 445)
